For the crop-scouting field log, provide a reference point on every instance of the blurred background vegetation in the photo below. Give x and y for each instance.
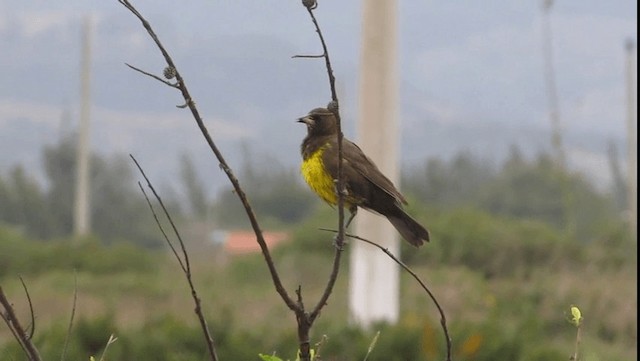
(508, 258)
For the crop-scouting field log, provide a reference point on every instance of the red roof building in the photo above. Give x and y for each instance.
(242, 242)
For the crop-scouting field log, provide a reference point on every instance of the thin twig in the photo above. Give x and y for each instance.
(340, 182)
(306, 321)
(73, 315)
(443, 319)
(576, 319)
(308, 56)
(299, 297)
(31, 313)
(185, 255)
(181, 85)
(6, 320)
(574, 357)
(173, 85)
(184, 261)
(159, 224)
(109, 342)
(10, 318)
(183, 266)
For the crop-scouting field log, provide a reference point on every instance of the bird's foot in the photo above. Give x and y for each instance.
(353, 211)
(339, 245)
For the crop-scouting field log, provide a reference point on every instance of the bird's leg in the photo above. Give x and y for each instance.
(335, 242)
(353, 210)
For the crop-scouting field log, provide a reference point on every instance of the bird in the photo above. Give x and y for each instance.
(365, 185)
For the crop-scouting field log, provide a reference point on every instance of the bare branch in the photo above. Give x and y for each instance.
(184, 261)
(173, 85)
(325, 53)
(31, 313)
(183, 106)
(184, 265)
(10, 318)
(333, 107)
(164, 234)
(308, 56)
(305, 324)
(299, 295)
(181, 85)
(443, 319)
(304, 320)
(5, 318)
(574, 357)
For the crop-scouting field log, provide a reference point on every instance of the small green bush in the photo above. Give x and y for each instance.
(21, 256)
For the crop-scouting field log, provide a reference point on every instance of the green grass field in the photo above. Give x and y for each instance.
(515, 316)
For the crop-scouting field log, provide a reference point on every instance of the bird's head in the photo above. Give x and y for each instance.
(320, 121)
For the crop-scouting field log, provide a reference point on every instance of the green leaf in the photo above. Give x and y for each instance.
(269, 357)
(576, 316)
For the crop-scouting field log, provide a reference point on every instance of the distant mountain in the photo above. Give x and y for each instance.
(159, 142)
(471, 80)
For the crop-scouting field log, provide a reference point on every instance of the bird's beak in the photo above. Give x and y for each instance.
(306, 120)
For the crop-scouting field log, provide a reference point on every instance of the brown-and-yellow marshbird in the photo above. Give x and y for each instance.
(365, 185)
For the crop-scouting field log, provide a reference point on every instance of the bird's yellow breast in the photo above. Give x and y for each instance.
(318, 178)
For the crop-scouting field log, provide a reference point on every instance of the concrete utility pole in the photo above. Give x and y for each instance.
(557, 145)
(81, 215)
(632, 142)
(374, 283)
(552, 89)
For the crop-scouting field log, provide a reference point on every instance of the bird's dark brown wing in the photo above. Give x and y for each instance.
(364, 179)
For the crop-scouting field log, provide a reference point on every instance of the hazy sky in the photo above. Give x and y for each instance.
(462, 63)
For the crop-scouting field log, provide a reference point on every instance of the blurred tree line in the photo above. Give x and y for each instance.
(118, 209)
(497, 230)
(520, 188)
(277, 193)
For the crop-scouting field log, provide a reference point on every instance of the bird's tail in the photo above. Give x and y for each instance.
(412, 231)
